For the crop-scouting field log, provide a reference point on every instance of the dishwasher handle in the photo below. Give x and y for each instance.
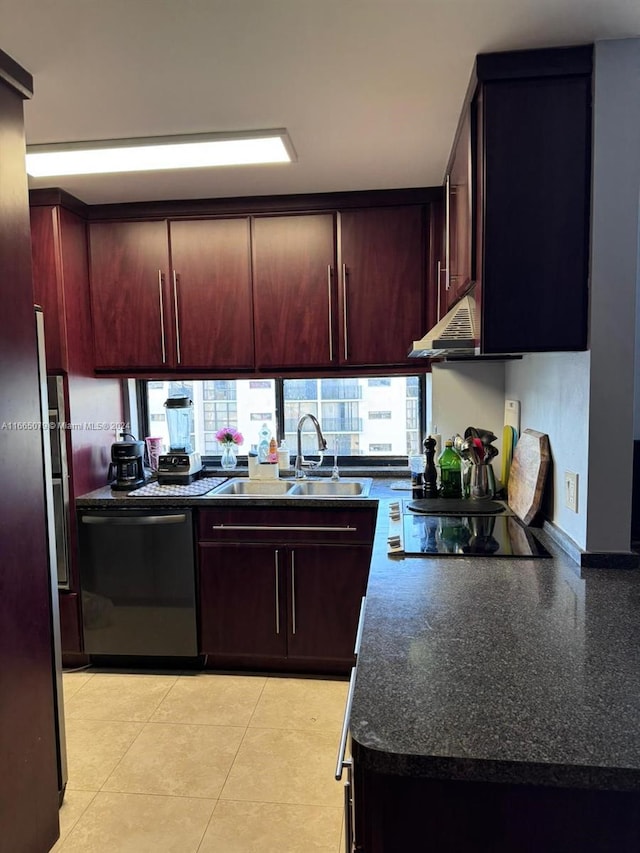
(138, 520)
(342, 763)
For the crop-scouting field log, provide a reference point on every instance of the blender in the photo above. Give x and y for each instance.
(181, 465)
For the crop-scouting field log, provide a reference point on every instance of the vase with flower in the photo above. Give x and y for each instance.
(230, 439)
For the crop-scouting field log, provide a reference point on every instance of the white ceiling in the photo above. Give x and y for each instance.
(370, 90)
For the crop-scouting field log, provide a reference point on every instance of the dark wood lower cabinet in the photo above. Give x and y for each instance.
(272, 600)
(271, 605)
(240, 608)
(398, 813)
(325, 586)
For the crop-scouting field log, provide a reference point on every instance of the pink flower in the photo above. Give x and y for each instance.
(229, 435)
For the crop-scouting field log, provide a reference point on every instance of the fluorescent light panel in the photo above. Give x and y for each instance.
(155, 153)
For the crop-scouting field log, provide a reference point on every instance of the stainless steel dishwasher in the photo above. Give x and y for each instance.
(137, 575)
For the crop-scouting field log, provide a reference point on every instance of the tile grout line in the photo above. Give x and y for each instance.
(144, 725)
(246, 728)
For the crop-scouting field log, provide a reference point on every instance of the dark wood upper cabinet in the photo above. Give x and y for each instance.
(172, 294)
(61, 286)
(130, 295)
(535, 231)
(382, 296)
(211, 293)
(299, 290)
(528, 119)
(459, 272)
(47, 289)
(294, 290)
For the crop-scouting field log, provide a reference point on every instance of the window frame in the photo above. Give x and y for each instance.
(359, 461)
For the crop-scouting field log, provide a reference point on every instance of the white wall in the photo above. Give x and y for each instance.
(468, 393)
(614, 279)
(553, 390)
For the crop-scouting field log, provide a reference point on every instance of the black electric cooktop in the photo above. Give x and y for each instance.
(497, 533)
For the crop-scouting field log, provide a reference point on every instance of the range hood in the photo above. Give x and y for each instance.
(458, 332)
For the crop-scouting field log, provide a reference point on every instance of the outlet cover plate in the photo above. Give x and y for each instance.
(571, 490)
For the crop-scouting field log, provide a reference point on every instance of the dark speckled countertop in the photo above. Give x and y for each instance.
(523, 671)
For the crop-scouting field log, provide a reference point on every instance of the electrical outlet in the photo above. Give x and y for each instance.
(571, 490)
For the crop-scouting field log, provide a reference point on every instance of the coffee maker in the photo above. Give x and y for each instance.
(181, 465)
(126, 471)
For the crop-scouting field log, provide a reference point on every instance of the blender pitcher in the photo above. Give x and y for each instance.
(179, 417)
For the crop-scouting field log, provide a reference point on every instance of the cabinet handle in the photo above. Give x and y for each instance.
(342, 763)
(447, 226)
(303, 527)
(175, 308)
(136, 520)
(161, 298)
(438, 276)
(348, 809)
(277, 592)
(330, 319)
(293, 592)
(344, 316)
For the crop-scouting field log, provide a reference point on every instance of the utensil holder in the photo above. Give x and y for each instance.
(482, 485)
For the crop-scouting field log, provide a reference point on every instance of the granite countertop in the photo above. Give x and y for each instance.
(504, 670)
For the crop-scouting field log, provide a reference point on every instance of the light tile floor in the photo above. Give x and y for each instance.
(201, 763)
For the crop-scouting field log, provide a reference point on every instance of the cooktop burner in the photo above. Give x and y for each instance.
(492, 535)
(450, 528)
(449, 506)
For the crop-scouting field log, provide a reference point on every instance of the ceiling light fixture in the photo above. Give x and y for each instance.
(152, 153)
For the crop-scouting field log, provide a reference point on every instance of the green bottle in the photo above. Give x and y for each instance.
(450, 473)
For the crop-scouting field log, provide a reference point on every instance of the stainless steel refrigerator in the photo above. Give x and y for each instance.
(52, 556)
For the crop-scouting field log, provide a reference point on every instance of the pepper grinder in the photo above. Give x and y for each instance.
(430, 473)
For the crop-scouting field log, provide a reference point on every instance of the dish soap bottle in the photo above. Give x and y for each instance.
(450, 472)
(272, 456)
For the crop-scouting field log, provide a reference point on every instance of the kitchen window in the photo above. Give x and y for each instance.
(372, 419)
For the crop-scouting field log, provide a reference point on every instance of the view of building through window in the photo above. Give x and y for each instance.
(367, 416)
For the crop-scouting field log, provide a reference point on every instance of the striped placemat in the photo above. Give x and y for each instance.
(166, 490)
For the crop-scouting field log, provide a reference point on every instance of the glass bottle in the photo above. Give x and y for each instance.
(416, 467)
(450, 472)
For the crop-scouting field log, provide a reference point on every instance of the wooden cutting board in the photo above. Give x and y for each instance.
(528, 474)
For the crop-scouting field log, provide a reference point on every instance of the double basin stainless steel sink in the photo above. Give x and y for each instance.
(308, 488)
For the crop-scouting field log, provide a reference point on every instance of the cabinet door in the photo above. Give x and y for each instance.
(460, 214)
(242, 600)
(537, 163)
(325, 585)
(129, 298)
(382, 296)
(211, 293)
(47, 287)
(293, 263)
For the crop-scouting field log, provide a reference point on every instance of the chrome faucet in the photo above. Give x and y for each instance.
(301, 462)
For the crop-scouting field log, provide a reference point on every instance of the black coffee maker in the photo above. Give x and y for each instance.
(126, 471)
